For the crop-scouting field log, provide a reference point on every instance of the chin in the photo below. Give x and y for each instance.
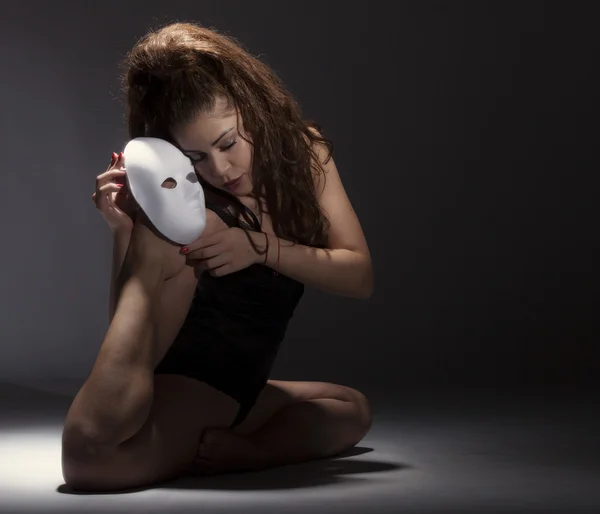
(243, 191)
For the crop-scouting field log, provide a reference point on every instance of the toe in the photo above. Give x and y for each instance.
(202, 467)
(206, 451)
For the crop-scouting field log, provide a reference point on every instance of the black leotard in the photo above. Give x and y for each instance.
(234, 327)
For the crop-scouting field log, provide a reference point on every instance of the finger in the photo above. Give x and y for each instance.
(216, 262)
(206, 241)
(209, 240)
(103, 196)
(120, 164)
(117, 163)
(205, 253)
(212, 239)
(109, 175)
(113, 160)
(111, 187)
(105, 189)
(208, 263)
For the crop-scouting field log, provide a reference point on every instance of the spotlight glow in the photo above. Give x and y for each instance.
(31, 459)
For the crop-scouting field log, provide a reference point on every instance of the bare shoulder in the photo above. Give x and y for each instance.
(213, 223)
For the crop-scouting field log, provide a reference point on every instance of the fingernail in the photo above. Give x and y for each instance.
(120, 185)
(114, 155)
(185, 249)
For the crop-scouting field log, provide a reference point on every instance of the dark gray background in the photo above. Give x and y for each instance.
(463, 134)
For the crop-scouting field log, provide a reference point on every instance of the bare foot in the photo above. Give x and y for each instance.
(222, 451)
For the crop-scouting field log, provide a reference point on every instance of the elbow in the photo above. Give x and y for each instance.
(356, 281)
(364, 291)
(362, 295)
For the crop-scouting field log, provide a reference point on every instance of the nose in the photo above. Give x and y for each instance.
(220, 165)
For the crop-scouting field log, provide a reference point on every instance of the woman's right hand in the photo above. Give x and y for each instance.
(113, 198)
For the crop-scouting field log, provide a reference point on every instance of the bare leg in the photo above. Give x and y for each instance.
(308, 430)
(298, 432)
(126, 427)
(116, 398)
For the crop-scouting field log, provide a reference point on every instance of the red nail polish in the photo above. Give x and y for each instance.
(185, 249)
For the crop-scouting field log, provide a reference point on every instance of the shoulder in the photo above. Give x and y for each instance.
(214, 223)
(215, 204)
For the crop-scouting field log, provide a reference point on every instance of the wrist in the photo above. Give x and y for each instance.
(261, 245)
(273, 257)
(267, 248)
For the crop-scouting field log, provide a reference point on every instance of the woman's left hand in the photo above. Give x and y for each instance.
(222, 252)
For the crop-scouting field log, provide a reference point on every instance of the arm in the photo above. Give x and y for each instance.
(344, 267)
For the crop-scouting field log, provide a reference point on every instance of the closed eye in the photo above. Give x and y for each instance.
(201, 156)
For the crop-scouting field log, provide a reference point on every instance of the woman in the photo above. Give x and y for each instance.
(180, 384)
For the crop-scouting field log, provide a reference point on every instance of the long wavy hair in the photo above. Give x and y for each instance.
(180, 70)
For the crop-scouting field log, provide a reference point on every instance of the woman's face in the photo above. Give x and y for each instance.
(220, 156)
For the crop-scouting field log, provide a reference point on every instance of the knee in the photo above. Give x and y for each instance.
(83, 477)
(82, 438)
(79, 457)
(77, 475)
(77, 467)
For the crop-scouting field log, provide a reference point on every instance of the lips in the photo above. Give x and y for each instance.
(232, 182)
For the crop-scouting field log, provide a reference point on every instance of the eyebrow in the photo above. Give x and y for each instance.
(212, 144)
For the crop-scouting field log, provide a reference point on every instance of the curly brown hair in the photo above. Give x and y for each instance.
(180, 70)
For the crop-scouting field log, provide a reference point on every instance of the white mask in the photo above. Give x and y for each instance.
(179, 213)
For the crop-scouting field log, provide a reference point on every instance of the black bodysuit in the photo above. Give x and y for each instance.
(234, 327)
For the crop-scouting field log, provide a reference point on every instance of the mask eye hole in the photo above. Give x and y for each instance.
(192, 177)
(169, 183)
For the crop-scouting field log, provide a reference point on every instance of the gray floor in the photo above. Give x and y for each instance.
(436, 451)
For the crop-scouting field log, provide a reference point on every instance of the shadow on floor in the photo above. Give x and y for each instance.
(316, 473)
(309, 474)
